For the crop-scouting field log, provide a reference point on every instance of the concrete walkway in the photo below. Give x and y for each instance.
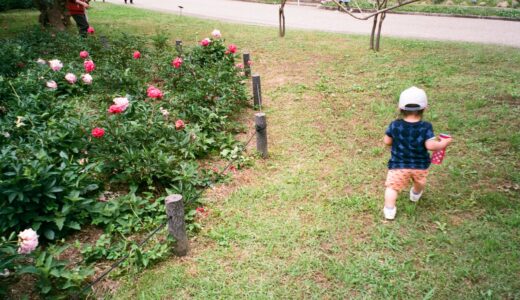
(311, 18)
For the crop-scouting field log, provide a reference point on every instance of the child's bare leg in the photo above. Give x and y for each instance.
(417, 187)
(390, 197)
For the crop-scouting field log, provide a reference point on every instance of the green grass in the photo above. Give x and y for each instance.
(307, 222)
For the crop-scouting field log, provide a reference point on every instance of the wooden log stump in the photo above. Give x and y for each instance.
(176, 225)
(261, 134)
(257, 92)
(247, 67)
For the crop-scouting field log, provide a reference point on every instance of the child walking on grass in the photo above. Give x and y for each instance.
(410, 138)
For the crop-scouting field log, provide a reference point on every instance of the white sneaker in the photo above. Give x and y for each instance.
(415, 197)
(389, 213)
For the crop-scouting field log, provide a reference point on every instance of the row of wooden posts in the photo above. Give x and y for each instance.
(174, 203)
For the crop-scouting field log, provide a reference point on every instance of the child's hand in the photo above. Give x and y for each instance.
(446, 141)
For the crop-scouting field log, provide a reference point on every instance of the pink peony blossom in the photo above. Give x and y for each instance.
(86, 78)
(179, 125)
(154, 92)
(121, 102)
(137, 54)
(71, 78)
(55, 64)
(52, 84)
(83, 54)
(232, 48)
(115, 109)
(90, 30)
(89, 66)
(27, 241)
(216, 34)
(177, 62)
(239, 65)
(98, 132)
(205, 42)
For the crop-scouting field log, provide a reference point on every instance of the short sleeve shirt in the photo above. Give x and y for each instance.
(408, 144)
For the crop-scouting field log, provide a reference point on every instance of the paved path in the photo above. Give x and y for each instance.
(305, 17)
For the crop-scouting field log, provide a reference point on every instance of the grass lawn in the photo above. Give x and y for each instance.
(307, 222)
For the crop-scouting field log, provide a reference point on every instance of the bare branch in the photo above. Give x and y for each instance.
(374, 13)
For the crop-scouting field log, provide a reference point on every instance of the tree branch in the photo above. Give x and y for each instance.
(374, 13)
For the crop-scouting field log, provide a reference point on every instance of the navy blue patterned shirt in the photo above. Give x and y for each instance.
(408, 144)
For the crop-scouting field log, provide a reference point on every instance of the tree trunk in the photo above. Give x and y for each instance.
(53, 14)
(372, 34)
(378, 38)
(381, 19)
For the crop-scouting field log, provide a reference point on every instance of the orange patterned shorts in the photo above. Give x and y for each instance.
(398, 179)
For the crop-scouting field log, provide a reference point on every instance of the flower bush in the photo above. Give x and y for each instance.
(128, 120)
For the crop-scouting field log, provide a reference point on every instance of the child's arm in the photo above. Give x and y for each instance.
(387, 140)
(84, 4)
(434, 145)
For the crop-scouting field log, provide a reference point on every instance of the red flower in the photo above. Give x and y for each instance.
(177, 62)
(179, 125)
(154, 92)
(200, 210)
(115, 109)
(98, 132)
(205, 42)
(232, 48)
(89, 66)
(83, 54)
(90, 30)
(137, 55)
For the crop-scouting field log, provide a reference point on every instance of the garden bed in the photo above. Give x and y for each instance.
(98, 131)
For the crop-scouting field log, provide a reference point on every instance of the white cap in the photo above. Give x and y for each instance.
(413, 95)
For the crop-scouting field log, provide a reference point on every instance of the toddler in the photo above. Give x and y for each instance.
(410, 138)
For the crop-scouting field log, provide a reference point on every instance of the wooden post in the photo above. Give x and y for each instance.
(178, 46)
(176, 225)
(261, 134)
(257, 91)
(247, 67)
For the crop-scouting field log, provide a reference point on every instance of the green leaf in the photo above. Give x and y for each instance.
(49, 234)
(59, 222)
(74, 225)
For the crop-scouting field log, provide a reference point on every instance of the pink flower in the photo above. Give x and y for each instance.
(90, 30)
(83, 54)
(122, 102)
(89, 66)
(179, 125)
(98, 132)
(27, 241)
(51, 84)
(227, 52)
(115, 109)
(71, 78)
(232, 48)
(137, 55)
(205, 42)
(154, 92)
(86, 78)
(249, 62)
(216, 34)
(55, 64)
(239, 65)
(200, 209)
(177, 62)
